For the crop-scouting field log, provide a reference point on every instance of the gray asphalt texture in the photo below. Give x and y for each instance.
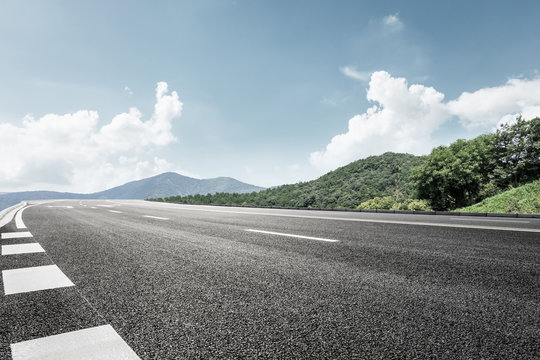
(199, 286)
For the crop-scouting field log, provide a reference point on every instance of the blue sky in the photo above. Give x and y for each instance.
(268, 92)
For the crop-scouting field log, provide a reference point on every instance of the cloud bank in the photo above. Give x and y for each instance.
(404, 117)
(72, 152)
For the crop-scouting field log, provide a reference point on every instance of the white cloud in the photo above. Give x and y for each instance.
(489, 106)
(404, 117)
(392, 22)
(128, 90)
(402, 121)
(70, 152)
(352, 73)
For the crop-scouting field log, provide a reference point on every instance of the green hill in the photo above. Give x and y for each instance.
(524, 199)
(346, 187)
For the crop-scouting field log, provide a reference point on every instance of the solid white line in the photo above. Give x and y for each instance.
(18, 219)
(397, 222)
(155, 217)
(491, 220)
(16, 235)
(291, 235)
(115, 211)
(34, 279)
(100, 342)
(21, 249)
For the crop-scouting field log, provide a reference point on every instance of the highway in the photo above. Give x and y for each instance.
(129, 279)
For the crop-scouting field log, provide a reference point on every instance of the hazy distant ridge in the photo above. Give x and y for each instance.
(166, 184)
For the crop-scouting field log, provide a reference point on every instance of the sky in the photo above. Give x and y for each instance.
(94, 94)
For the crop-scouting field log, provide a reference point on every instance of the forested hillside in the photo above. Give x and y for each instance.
(454, 176)
(346, 187)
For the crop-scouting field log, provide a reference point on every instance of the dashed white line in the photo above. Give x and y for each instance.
(291, 235)
(107, 206)
(93, 207)
(155, 217)
(16, 235)
(60, 206)
(115, 211)
(100, 342)
(34, 279)
(21, 249)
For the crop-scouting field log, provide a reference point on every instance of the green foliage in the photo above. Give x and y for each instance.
(524, 199)
(383, 203)
(346, 187)
(517, 153)
(389, 203)
(454, 175)
(418, 205)
(466, 172)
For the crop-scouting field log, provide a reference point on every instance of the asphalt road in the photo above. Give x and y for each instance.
(178, 281)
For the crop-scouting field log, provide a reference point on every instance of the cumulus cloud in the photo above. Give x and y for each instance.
(352, 73)
(489, 106)
(392, 22)
(403, 118)
(71, 152)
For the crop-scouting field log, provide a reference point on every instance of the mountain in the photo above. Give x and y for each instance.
(346, 187)
(166, 184)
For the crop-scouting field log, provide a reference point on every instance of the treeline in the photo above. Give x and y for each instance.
(467, 172)
(345, 187)
(454, 176)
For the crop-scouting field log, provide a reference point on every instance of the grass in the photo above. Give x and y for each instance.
(524, 199)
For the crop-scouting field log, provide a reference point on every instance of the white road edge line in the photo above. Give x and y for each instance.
(34, 279)
(100, 342)
(18, 219)
(492, 220)
(397, 222)
(155, 217)
(21, 249)
(16, 235)
(291, 235)
(115, 211)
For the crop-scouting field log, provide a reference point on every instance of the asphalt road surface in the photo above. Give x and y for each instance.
(166, 281)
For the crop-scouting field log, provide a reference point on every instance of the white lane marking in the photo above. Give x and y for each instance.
(21, 249)
(155, 217)
(107, 206)
(492, 220)
(60, 206)
(115, 211)
(397, 222)
(100, 342)
(34, 279)
(18, 219)
(291, 235)
(93, 207)
(16, 235)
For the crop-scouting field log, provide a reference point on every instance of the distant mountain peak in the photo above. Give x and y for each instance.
(162, 185)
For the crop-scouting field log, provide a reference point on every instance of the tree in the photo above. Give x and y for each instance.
(517, 152)
(454, 176)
